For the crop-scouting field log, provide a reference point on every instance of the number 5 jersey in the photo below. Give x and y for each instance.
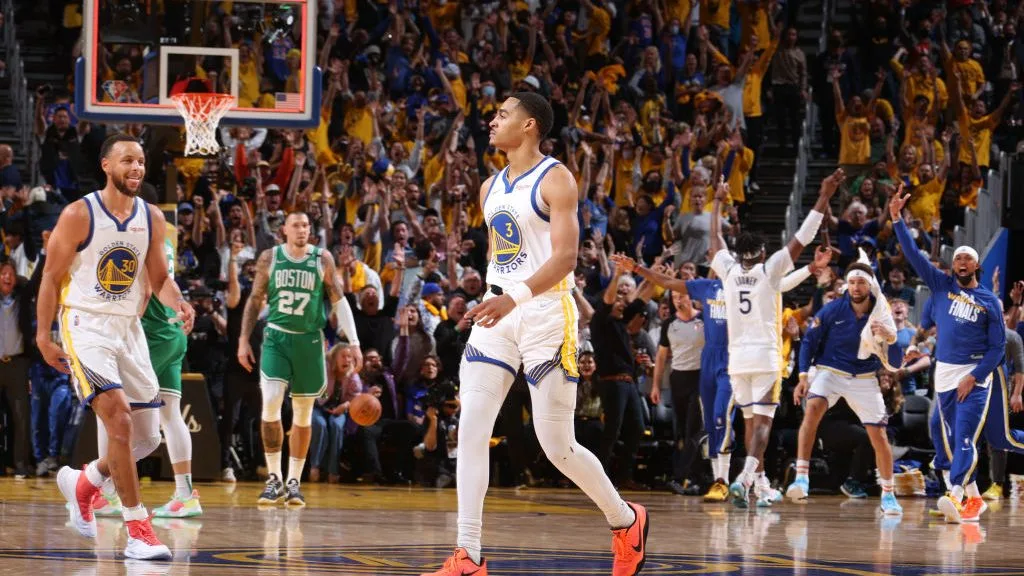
(753, 305)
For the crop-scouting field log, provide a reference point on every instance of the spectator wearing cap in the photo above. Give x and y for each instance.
(205, 350)
(430, 305)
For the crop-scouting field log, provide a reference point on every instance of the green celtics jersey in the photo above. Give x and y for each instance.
(156, 320)
(296, 292)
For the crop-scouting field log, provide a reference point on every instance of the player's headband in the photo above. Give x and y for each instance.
(856, 273)
(966, 250)
(753, 254)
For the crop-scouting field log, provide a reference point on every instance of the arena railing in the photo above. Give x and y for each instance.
(983, 223)
(21, 97)
(809, 127)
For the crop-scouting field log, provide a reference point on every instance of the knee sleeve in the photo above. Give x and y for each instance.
(763, 410)
(273, 396)
(179, 440)
(554, 407)
(302, 411)
(145, 432)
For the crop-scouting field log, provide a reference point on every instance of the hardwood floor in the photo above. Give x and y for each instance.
(400, 532)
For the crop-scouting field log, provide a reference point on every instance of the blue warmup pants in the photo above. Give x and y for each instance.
(51, 410)
(716, 401)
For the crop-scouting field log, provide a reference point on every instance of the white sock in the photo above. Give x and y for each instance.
(803, 468)
(957, 493)
(749, 471)
(972, 490)
(274, 463)
(137, 512)
(886, 484)
(93, 474)
(183, 485)
(945, 477)
(295, 466)
(724, 461)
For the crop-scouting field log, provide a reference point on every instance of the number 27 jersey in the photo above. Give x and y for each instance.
(753, 307)
(296, 291)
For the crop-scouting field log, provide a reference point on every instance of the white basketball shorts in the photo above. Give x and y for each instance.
(759, 389)
(108, 352)
(541, 335)
(861, 393)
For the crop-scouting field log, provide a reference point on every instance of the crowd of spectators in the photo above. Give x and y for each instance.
(655, 102)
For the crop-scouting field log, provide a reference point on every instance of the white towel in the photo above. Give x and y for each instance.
(882, 313)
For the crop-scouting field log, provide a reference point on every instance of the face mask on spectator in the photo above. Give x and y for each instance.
(489, 91)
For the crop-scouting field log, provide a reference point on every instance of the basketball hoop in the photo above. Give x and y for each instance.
(202, 112)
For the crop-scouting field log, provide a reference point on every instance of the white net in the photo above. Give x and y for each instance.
(202, 112)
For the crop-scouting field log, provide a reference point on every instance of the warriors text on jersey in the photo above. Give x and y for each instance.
(106, 275)
(519, 225)
(296, 291)
(753, 305)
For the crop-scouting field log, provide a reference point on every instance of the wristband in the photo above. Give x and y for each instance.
(809, 229)
(520, 293)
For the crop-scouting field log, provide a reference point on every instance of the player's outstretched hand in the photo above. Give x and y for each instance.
(897, 202)
(823, 256)
(624, 263)
(830, 184)
(54, 356)
(491, 311)
(245, 356)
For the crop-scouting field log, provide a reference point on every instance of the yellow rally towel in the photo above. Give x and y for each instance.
(442, 313)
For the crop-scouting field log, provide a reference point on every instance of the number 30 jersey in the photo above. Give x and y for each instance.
(753, 307)
(107, 275)
(296, 291)
(519, 227)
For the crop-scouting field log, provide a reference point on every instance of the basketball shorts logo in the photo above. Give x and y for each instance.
(116, 271)
(506, 242)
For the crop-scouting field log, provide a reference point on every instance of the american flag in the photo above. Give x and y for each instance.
(286, 101)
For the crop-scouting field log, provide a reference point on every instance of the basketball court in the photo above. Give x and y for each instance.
(400, 532)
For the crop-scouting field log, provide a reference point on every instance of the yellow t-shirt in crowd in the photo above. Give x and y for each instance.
(855, 143)
(359, 123)
(600, 26)
(248, 84)
(715, 13)
(980, 130)
(752, 86)
(925, 199)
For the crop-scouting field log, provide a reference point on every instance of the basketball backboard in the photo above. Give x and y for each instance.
(134, 58)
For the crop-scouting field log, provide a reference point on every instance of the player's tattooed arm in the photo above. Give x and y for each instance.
(332, 284)
(258, 295)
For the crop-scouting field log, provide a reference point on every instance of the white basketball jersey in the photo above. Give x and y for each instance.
(753, 306)
(519, 226)
(107, 274)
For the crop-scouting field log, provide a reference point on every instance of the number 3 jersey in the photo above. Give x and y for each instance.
(519, 226)
(296, 291)
(753, 308)
(108, 273)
